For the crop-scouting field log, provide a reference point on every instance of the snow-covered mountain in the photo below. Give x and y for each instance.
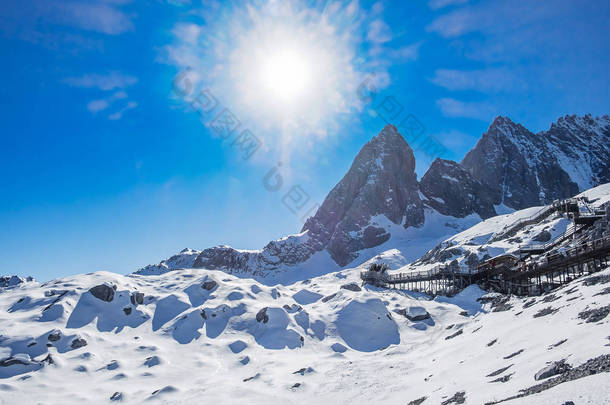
(379, 207)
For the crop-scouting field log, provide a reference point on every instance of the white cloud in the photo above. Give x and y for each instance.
(484, 80)
(96, 106)
(379, 32)
(451, 107)
(119, 114)
(110, 81)
(438, 4)
(90, 16)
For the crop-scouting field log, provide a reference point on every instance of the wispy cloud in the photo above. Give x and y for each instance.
(438, 4)
(484, 80)
(451, 107)
(109, 81)
(119, 114)
(96, 106)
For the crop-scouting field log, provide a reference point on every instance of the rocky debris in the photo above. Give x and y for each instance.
(598, 279)
(117, 396)
(596, 365)
(54, 336)
(529, 303)
(510, 356)
(545, 311)
(550, 298)
(605, 291)
(127, 310)
(203, 314)
(452, 190)
(136, 298)
(503, 379)
(262, 316)
(414, 314)
(543, 236)
(418, 401)
(499, 303)
(11, 281)
(103, 292)
(557, 344)
(78, 342)
(304, 370)
(329, 297)
(351, 287)
(295, 386)
(457, 398)
(255, 376)
(209, 285)
(459, 332)
(595, 315)
(492, 342)
(48, 360)
(10, 361)
(292, 308)
(555, 368)
(464, 313)
(499, 371)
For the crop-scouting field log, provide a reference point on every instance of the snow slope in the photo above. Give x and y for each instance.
(197, 334)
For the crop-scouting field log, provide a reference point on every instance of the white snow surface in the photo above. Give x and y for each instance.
(352, 348)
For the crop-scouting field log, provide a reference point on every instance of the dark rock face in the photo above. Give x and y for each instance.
(381, 181)
(555, 368)
(452, 190)
(78, 342)
(103, 292)
(526, 169)
(262, 316)
(351, 287)
(209, 285)
(137, 298)
(54, 336)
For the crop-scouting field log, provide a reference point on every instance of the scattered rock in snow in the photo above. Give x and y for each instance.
(595, 315)
(529, 303)
(262, 316)
(103, 292)
(417, 401)
(209, 285)
(550, 298)
(54, 336)
(458, 333)
(599, 279)
(78, 342)
(136, 298)
(254, 377)
(127, 310)
(510, 356)
(329, 297)
(503, 379)
(351, 287)
(555, 368)
(304, 371)
(499, 371)
(414, 314)
(457, 398)
(117, 396)
(545, 311)
(557, 344)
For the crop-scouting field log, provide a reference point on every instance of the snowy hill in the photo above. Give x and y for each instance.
(191, 334)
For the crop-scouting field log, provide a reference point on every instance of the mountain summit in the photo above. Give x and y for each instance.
(380, 181)
(379, 198)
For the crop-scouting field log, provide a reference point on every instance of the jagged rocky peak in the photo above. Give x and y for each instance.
(452, 190)
(520, 167)
(380, 182)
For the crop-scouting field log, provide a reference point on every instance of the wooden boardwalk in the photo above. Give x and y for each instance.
(526, 279)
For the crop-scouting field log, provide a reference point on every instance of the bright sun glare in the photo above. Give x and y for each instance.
(286, 75)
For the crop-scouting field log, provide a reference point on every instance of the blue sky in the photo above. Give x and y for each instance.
(106, 166)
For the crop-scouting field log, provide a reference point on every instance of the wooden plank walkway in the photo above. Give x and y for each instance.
(533, 279)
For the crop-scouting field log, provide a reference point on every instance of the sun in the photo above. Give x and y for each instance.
(286, 75)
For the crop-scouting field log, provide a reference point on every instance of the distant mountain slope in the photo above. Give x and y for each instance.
(379, 200)
(525, 169)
